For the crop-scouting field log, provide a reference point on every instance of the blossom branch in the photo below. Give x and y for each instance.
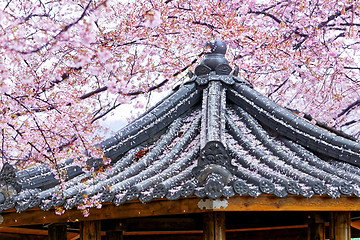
(267, 15)
(349, 108)
(334, 16)
(64, 29)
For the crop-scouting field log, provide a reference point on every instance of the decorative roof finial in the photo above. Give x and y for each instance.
(217, 46)
(214, 59)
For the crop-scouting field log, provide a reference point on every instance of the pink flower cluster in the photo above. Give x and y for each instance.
(67, 64)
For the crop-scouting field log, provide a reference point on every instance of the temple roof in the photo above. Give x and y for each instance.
(212, 137)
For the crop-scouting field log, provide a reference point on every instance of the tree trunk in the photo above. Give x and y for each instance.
(214, 226)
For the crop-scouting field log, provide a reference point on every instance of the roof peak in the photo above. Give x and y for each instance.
(214, 59)
(217, 46)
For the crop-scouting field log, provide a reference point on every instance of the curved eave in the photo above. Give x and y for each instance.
(272, 151)
(166, 164)
(266, 163)
(153, 121)
(277, 165)
(294, 127)
(148, 125)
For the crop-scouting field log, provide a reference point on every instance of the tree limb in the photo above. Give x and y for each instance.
(332, 17)
(267, 15)
(348, 108)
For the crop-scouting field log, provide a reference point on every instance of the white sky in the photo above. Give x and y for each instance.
(126, 112)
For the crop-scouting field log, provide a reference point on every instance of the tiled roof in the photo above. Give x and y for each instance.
(213, 136)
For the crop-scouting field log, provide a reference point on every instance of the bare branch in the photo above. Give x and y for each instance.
(354, 68)
(96, 91)
(102, 89)
(332, 17)
(212, 27)
(105, 113)
(267, 15)
(64, 29)
(280, 86)
(348, 108)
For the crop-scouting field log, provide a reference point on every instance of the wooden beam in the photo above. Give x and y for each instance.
(165, 223)
(166, 237)
(57, 231)
(283, 234)
(183, 206)
(141, 233)
(28, 231)
(110, 211)
(292, 203)
(133, 233)
(214, 226)
(14, 236)
(75, 237)
(356, 224)
(90, 230)
(266, 228)
(23, 231)
(114, 235)
(340, 226)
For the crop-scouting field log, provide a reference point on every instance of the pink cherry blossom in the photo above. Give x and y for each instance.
(66, 64)
(152, 18)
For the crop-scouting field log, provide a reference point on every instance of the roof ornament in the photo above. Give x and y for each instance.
(214, 169)
(9, 185)
(214, 59)
(214, 66)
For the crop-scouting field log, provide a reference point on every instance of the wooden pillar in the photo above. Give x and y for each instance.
(214, 226)
(90, 230)
(331, 226)
(57, 231)
(339, 228)
(114, 229)
(316, 227)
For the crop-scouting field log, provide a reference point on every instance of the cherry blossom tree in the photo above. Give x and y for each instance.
(65, 65)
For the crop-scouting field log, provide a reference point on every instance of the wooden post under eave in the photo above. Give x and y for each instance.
(331, 226)
(57, 231)
(316, 227)
(340, 226)
(114, 229)
(214, 226)
(90, 230)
